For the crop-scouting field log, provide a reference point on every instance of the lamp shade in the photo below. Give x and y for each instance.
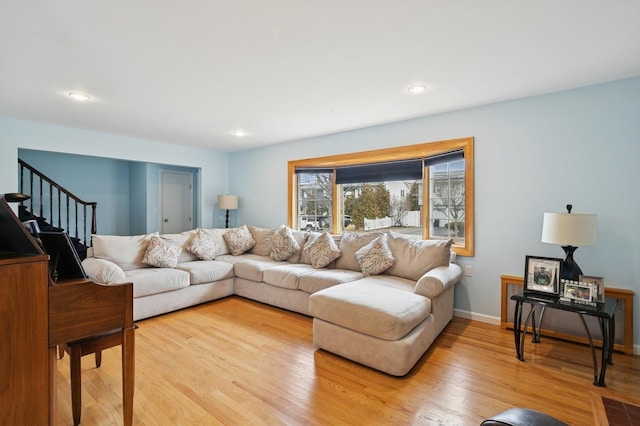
(228, 202)
(570, 229)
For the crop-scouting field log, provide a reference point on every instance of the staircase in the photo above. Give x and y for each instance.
(55, 208)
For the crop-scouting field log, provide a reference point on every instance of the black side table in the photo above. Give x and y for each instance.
(604, 312)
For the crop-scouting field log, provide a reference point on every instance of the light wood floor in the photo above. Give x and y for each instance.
(234, 361)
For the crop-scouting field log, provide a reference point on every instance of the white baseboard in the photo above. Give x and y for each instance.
(476, 317)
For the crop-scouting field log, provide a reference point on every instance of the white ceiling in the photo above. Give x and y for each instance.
(192, 71)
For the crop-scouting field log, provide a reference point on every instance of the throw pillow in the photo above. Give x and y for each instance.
(322, 251)
(283, 245)
(301, 239)
(239, 240)
(415, 257)
(375, 257)
(161, 253)
(203, 246)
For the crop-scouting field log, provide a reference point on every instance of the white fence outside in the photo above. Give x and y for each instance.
(411, 218)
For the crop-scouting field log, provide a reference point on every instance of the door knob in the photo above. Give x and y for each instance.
(166, 220)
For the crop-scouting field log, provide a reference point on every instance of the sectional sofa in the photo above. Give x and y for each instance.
(378, 298)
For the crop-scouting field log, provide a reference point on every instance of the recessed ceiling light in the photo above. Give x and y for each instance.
(239, 133)
(82, 97)
(417, 88)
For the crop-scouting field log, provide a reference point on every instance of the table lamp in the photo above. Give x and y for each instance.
(570, 231)
(228, 202)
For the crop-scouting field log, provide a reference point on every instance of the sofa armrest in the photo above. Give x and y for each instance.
(438, 280)
(103, 271)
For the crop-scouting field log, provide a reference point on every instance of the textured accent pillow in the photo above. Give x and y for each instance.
(283, 245)
(375, 257)
(239, 240)
(322, 251)
(161, 253)
(415, 257)
(261, 236)
(202, 246)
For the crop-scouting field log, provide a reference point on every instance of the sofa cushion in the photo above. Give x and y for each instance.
(161, 253)
(350, 243)
(372, 309)
(322, 250)
(282, 244)
(182, 240)
(239, 240)
(301, 239)
(217, 235)
(148, 281)
(251, 268)
(320, 279)
(206, 271)
(415, 257)
(262, 237)
(286, 276)
(375, 257)
(202, 246)
(125, 251)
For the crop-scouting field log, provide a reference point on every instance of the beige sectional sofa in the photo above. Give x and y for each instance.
(379, 299)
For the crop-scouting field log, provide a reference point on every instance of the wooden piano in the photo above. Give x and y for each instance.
(36, 316)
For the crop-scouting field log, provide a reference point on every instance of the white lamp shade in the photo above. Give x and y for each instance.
(570, 229)
(228, 202)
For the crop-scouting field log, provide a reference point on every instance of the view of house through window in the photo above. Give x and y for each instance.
(423, 193)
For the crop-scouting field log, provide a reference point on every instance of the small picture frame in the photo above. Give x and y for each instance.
(576, 291)
(542, 275)
(597, 286)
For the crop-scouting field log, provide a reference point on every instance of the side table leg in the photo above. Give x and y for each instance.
(517, 324)
(536, 328)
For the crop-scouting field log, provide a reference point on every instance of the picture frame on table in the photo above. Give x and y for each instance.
(597, 285)
(574, 291)
(542, 275)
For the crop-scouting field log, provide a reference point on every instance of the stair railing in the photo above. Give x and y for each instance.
(57, 205)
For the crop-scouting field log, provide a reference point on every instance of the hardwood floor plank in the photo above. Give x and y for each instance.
(234, 361)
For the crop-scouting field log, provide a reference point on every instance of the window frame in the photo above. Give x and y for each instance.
(406, 152)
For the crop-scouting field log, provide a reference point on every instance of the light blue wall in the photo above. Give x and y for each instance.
(16, 134)
(532, 155)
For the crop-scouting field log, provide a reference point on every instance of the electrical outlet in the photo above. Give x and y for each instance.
(468, 271)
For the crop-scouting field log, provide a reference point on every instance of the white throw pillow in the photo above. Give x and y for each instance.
(202, 246)
(322, 250)
(282, 244)
(161, 253)
(239, 240)
(375, 257)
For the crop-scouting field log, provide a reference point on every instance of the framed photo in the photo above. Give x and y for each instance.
(597, 287)
(542, 275)
(577, 292)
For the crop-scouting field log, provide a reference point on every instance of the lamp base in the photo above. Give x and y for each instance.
(570, 269)
(226, 224)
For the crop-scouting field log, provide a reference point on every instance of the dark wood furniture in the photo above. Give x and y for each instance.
(37, 316)
(604, 312)
(26, 361)
(85, 318)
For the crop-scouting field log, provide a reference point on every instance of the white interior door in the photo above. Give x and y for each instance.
(176, 201)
